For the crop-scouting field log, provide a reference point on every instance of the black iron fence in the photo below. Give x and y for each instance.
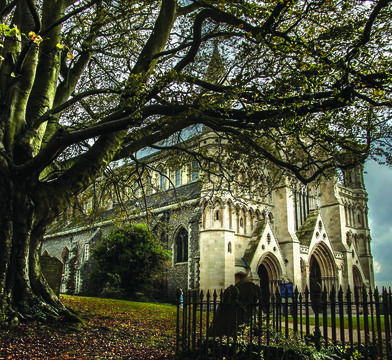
(323, 324)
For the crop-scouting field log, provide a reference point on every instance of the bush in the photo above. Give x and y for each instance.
(129, 261)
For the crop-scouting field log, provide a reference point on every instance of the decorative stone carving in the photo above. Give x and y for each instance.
(349, 236)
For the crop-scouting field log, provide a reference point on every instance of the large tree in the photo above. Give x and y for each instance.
(305, 84)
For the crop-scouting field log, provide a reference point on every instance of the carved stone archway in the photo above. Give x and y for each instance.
(270, 273)
(322, 267)
(358, 283)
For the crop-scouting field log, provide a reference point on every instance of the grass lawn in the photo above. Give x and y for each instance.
(113, 329)
(354, 322)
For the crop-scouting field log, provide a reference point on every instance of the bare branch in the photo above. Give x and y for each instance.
(68, 16)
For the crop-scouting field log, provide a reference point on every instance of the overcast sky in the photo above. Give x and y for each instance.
(378, 180)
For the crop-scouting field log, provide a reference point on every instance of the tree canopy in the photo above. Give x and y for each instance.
(304, 84)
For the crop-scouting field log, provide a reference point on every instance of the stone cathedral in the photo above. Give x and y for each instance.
(297, 234)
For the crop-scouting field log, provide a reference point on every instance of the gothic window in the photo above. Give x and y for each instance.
(229, 248)
(162, 182)
(178, 177)
(301, 206)
(237, 219)
(78, 282)
(86, 252)
(217, 217)
(195, 171)
(258, 216)
(242, 222)
(182, 246)
(230, 211)
(359, 217)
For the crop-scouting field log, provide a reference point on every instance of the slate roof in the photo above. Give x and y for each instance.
(252, 246)
(163, 198)
(182, 193)
(305, 232)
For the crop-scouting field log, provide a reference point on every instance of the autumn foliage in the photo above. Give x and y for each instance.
(112, 329)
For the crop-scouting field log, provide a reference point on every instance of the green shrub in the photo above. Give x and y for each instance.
(128, 261)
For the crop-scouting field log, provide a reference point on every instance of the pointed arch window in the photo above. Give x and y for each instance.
(182, 246)
(359, 216)
(162, 182)
(78, 282)
(217, 215)
(230, 211)
(178, 177)
(65, 258)
(86, 252)
(195, 171)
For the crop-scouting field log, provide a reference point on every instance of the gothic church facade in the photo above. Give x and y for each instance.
(297, 234)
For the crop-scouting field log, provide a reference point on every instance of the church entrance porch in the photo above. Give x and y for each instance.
(322, 268)
(270, 274)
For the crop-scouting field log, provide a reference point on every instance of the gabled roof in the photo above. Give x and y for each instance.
(306, 231)
(252, 246)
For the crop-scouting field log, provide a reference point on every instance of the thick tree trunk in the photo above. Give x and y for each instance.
(25, 294)
(28, 206)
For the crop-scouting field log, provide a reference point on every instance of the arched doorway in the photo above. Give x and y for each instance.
(315, 280)
(322, 268)
(269, 272)
(264, 280)
(357, 279)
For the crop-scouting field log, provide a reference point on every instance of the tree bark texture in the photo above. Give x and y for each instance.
(22, 225)
(30, 85)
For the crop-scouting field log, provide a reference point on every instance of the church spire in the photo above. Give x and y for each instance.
(353, 178)
(216, 72)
